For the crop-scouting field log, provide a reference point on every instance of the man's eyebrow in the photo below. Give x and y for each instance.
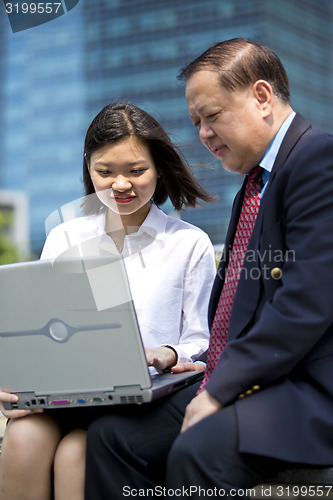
(199, 110)
(195, 114)
(203, 109)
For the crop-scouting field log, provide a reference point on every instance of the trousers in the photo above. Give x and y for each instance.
(139, 451)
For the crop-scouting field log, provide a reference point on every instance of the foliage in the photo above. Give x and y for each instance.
(8, 251)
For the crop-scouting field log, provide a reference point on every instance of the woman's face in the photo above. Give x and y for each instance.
(124, 177)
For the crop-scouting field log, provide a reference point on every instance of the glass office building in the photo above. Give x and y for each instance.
(44, 117)
(61, 74)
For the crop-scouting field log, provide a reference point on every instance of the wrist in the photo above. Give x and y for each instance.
(168, 368)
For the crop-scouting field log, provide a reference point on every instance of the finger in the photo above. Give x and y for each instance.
(20, 413)
(183, 367)
(187, 417)
(15, 413)
(8, 397)
(187, 423)
(158, 364)
(188, 367)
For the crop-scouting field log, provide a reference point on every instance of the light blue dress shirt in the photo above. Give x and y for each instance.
(269, 157)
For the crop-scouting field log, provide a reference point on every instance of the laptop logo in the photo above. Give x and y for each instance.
(24, 15)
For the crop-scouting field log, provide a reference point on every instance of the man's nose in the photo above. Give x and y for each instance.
(205, 132)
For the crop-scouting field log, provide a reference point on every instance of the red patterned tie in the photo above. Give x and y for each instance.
(247, 218)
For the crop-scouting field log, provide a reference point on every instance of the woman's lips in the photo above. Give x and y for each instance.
(124, 199)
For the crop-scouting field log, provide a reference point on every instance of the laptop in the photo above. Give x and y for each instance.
(69, 337)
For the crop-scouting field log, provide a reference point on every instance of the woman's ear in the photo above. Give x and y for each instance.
(86, 162)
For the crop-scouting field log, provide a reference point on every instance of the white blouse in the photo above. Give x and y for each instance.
(170, 266)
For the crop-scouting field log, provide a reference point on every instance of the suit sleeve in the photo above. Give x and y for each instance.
(291, 324)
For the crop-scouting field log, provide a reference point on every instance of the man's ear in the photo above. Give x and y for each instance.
(263, 93)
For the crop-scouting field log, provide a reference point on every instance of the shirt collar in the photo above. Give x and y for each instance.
(270, 156)
(154, 224)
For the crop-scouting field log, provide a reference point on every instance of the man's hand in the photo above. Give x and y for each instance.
(160, 357)
(12, 398)
(202, 406)
(189, 367)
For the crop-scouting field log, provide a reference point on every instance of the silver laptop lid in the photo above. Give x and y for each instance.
(69, 326)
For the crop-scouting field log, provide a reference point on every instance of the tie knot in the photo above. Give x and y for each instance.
(254, 178)
(255, 174)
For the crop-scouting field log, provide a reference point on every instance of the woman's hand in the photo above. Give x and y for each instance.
(160, 357)
(12, 398)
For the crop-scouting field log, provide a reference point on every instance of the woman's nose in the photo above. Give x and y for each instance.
(121, 183)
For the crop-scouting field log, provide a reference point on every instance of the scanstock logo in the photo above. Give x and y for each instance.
(23, 15)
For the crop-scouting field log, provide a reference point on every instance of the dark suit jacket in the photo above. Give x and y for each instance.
(278, 365)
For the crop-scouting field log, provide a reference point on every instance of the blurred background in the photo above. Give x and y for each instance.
(56, 77)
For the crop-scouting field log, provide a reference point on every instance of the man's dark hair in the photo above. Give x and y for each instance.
(240, 63)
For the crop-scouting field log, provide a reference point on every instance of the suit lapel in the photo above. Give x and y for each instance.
(223, 265)
(248, 289)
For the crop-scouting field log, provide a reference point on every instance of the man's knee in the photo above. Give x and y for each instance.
(103, 430)
(95, 429)
(213, 438)
(183, 449)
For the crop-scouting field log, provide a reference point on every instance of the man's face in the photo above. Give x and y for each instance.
(231, 124)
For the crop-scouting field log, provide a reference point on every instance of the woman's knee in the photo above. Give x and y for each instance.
(36, 433)
(30, 443)
(71, 451)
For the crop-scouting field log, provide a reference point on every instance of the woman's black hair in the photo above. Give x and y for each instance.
(119, 121)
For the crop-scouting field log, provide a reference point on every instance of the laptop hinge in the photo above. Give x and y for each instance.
(127, 389)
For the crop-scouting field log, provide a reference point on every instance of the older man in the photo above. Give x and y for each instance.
(267, 397)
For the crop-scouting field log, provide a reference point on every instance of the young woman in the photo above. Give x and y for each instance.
(130, 167)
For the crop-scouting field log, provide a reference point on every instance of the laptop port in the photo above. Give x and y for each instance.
(98, 400)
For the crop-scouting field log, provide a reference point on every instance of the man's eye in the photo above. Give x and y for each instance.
(212, 116)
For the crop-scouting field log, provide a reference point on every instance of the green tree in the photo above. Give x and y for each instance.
(8, 251)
